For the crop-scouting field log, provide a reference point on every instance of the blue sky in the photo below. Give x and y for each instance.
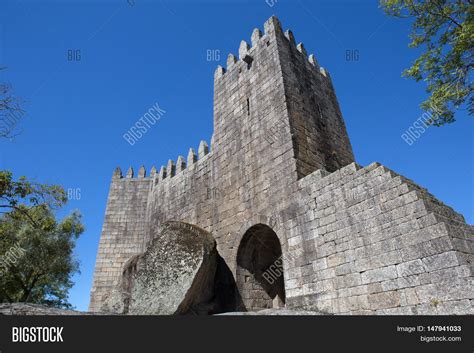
(133, 56)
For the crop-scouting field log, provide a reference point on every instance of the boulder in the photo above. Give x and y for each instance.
(175, 275)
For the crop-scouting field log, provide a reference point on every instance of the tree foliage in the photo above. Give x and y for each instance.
(11, 111)
(445, 29)
(36, 250)
(24, 196)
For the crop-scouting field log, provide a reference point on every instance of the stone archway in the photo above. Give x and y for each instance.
(259, 274)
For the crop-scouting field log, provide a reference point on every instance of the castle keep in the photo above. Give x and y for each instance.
(279, 184)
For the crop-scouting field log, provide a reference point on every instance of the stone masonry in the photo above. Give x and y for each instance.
(297, 221)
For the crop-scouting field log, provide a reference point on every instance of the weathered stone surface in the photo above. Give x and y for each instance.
(352, 239)
(274, 312)
(378, 275)
(175, 275)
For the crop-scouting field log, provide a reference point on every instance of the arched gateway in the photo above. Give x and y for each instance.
(260, 269)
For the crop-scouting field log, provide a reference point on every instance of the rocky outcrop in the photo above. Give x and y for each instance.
(175, 275)
(275, 312)
(36, 309)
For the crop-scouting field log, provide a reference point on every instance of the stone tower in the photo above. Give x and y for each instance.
(297, 221)
(286, 97)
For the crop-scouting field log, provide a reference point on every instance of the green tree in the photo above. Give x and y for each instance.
(36, 250)
(445, 29)
(24, 196)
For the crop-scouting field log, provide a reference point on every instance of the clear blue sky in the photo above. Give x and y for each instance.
(134, 56)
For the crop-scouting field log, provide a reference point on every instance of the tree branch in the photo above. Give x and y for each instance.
(443, 15)
(22, 211)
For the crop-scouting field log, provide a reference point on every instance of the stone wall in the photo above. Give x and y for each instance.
(320, 139)
(186, 195)
(380, 244)
(122, 233)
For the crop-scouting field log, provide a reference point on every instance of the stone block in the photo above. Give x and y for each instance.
(379, 275)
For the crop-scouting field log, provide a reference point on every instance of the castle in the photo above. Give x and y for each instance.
(279, 185)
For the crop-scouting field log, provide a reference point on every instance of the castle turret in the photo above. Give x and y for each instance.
(279, 93)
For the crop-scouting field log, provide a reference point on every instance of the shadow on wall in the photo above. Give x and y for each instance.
(226, 295)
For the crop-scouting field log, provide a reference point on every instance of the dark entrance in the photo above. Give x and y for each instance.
(260, 269)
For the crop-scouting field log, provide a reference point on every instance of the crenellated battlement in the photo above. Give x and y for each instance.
(248, 53)
(170, 170)
(131, 173)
